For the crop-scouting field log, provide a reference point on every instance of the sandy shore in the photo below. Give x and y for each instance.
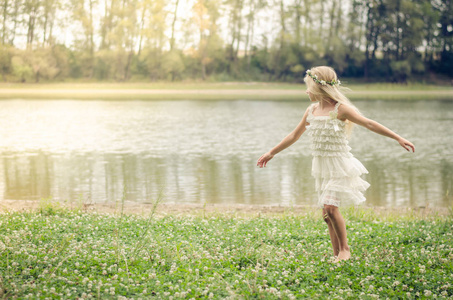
(245, 210)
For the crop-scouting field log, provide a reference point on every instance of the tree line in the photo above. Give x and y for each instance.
(127, 40)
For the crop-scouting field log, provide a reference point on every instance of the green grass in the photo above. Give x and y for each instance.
(214, 91)
(219, 85)
(57, 253)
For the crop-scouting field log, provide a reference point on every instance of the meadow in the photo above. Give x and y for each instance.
(60, 253)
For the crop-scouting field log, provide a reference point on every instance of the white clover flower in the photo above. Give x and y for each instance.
(427, 293)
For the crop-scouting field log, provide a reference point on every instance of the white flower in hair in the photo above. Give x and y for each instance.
(338, 82)
(316, 76)
(322, 82)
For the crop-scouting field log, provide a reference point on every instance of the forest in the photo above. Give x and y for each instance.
(224, 40)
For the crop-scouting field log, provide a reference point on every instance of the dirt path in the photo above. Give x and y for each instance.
(245, 210)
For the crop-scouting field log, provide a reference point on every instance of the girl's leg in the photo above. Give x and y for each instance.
(332, 233)
(339, 226)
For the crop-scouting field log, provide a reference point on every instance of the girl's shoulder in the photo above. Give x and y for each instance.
(312, 106)
(344, 106)
(345, 109)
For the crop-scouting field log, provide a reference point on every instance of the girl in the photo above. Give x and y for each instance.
(329, 121)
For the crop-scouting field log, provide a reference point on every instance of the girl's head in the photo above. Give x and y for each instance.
(323, 85)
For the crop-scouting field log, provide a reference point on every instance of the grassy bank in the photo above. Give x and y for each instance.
(58, 253)
(213, 91)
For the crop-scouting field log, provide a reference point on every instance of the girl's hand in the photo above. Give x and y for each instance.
(262, 161)
(406, 144)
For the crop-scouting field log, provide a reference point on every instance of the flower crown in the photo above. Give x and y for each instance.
(323, 82)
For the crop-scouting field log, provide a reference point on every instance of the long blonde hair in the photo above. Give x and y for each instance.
(334, 92)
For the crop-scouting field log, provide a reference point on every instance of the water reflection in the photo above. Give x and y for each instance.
(134, 177)
(206, 152)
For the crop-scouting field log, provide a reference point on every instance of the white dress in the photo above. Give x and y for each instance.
(336, 171)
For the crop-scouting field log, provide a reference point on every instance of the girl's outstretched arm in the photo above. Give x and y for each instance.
(349, 113)
(285, 143)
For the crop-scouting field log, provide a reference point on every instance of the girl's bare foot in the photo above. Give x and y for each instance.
(343, 255)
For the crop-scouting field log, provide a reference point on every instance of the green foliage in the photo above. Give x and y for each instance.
(153, 59)
(401, 70)
(226, 40)
(173, 65)
(43, 63)
(48, 207)
(5, 60)
(66, 254)
(20, 68)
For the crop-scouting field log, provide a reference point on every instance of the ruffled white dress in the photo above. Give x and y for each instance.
(336, 171)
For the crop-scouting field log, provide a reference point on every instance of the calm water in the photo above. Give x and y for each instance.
(205, 152)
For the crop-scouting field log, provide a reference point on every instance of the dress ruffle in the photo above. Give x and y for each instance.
(335, 167)
(336, 171)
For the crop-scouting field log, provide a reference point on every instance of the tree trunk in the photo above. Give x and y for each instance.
(368, 26)
(128, 64)
(331, 27)
(31, 28)
(339, 19)
(307, 21)
(16, 17)
(321, 19)
(251, 20)
(46, 17)
(235, 20)
(398, 22)
(51, 20)
(172, 39)
(142, 25)
(202, 47)
(282, 24)
(91, 40)
(45, 33)
(376, 33)
(297, 22)
(239, 17)
(107, 24)
(252, 35)
(5, 15)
